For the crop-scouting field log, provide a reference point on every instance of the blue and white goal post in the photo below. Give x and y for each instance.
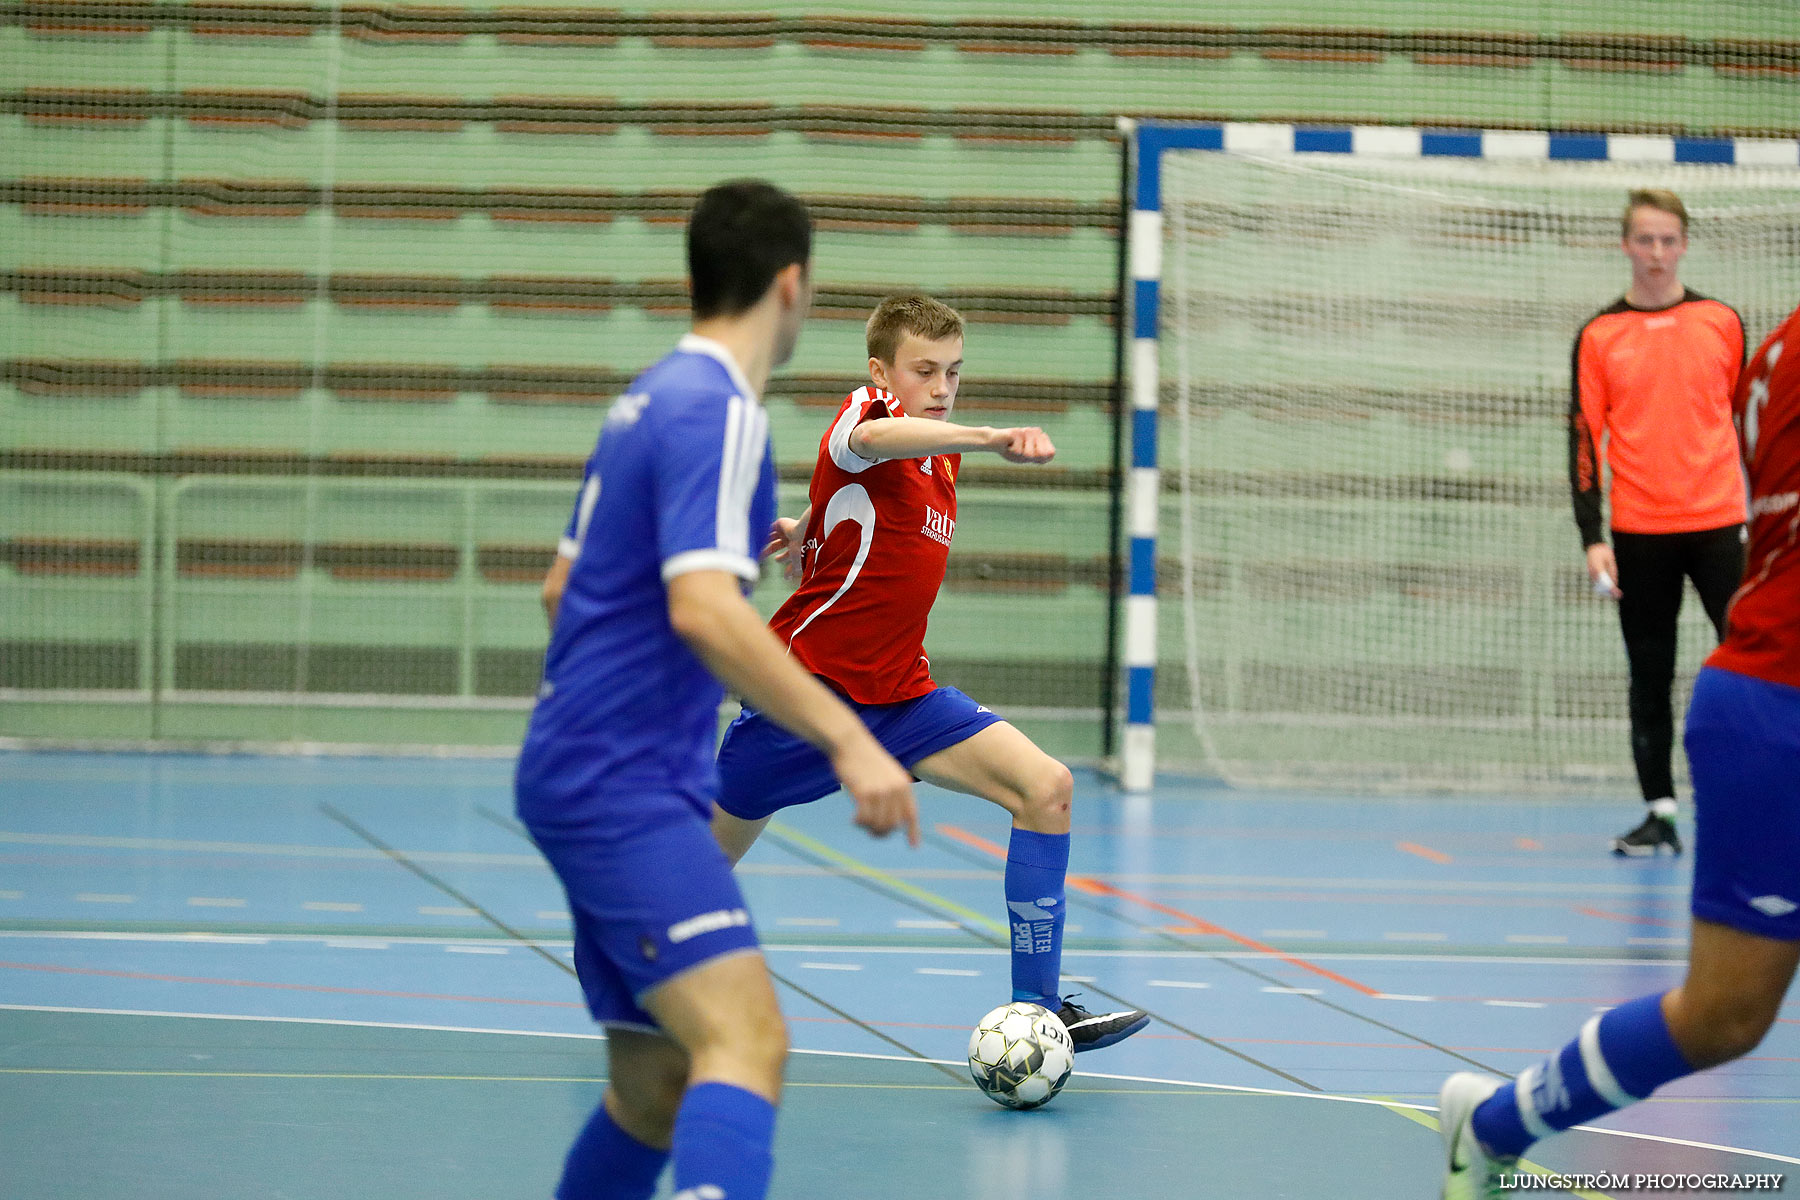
(1147, 143)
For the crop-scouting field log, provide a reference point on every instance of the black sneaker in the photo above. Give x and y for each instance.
(1650, 838)
(1092, 1031)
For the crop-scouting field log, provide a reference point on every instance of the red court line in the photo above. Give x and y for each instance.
(1424, 852)
(284, 987)
(1189, 922)
(1627, 918)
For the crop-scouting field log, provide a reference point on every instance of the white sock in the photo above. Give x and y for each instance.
(1666, 808)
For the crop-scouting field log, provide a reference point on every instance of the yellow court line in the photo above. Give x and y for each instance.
(865, 871)
(1430, 1122)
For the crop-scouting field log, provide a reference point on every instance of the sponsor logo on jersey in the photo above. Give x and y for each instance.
(1762, 506)
(627, 408)
(1774, 906)
(708, 922)
(938, 526)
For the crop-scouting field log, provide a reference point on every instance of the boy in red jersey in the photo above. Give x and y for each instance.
(1653, 378)
(1743, 744)
(871, 550)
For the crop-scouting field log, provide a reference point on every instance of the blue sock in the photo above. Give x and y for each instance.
(606, 1163)
(724, 1144)
(1619, 1058)
(1036, 866)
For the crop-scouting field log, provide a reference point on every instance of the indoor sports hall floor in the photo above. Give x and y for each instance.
(329, 977)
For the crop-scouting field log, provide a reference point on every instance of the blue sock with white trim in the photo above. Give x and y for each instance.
(1619, 1058)
(1037, 864)
(606, 1163)
(724, 1144)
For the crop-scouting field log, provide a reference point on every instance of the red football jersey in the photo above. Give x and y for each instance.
(872, 564)
(1762, 636)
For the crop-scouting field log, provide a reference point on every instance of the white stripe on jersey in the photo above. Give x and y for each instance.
(740, 470)
(839, 444)
(570, 548)
(729, 523)
(851, 503)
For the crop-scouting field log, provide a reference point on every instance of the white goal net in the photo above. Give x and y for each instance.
(1366, 365)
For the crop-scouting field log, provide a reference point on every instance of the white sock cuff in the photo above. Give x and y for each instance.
(1666, 808)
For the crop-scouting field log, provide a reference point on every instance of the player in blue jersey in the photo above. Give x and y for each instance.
(1743, 745)
(616, 778)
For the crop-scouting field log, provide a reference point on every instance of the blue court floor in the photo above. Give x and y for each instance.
(312, 977)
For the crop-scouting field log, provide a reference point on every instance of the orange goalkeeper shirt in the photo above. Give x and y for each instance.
(1652, 397)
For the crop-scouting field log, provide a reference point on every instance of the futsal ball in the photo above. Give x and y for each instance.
(1020, 1055)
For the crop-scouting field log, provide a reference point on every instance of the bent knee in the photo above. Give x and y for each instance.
(1738, 1034)
(1046, 802)
(1726, 1030)
(645, 1107)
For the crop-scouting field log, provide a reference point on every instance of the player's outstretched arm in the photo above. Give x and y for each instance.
(710, 614)
(920, 437)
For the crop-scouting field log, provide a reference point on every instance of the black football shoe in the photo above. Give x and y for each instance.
(1654, 836)
(1095, 1031)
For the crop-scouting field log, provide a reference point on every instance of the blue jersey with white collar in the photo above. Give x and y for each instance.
(682, 479)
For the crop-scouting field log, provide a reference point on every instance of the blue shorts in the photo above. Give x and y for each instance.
(763, 768)
(651, 896)
(1743, 746)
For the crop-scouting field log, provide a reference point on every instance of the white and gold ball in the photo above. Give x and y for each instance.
(1020, 1055)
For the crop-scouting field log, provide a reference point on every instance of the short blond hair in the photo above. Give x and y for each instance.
(914, 313)
(1661, 199)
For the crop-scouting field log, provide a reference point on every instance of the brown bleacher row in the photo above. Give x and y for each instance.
(1325, 580)
(522, 292)
(263, 199)
(517, 384)
(599, 27)
(414, 562)
(1527, 492)
(503, 384)
(241, 109)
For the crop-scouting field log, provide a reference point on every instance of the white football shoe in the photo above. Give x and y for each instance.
(1471, 1172)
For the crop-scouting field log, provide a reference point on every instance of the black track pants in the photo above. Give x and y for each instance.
(1652, 568)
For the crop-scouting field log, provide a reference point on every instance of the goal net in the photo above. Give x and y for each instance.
(1366, 366)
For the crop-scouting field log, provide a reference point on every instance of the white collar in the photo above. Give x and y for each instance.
(693, 343)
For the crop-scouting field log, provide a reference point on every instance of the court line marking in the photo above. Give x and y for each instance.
(282, 849)
(1435, 1126)
(1092, 886)
(982, 927)
(282, 986)
(1424, 852)
(133, 935)
(1678, 891)
(862, 870)
(1242, 1089)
